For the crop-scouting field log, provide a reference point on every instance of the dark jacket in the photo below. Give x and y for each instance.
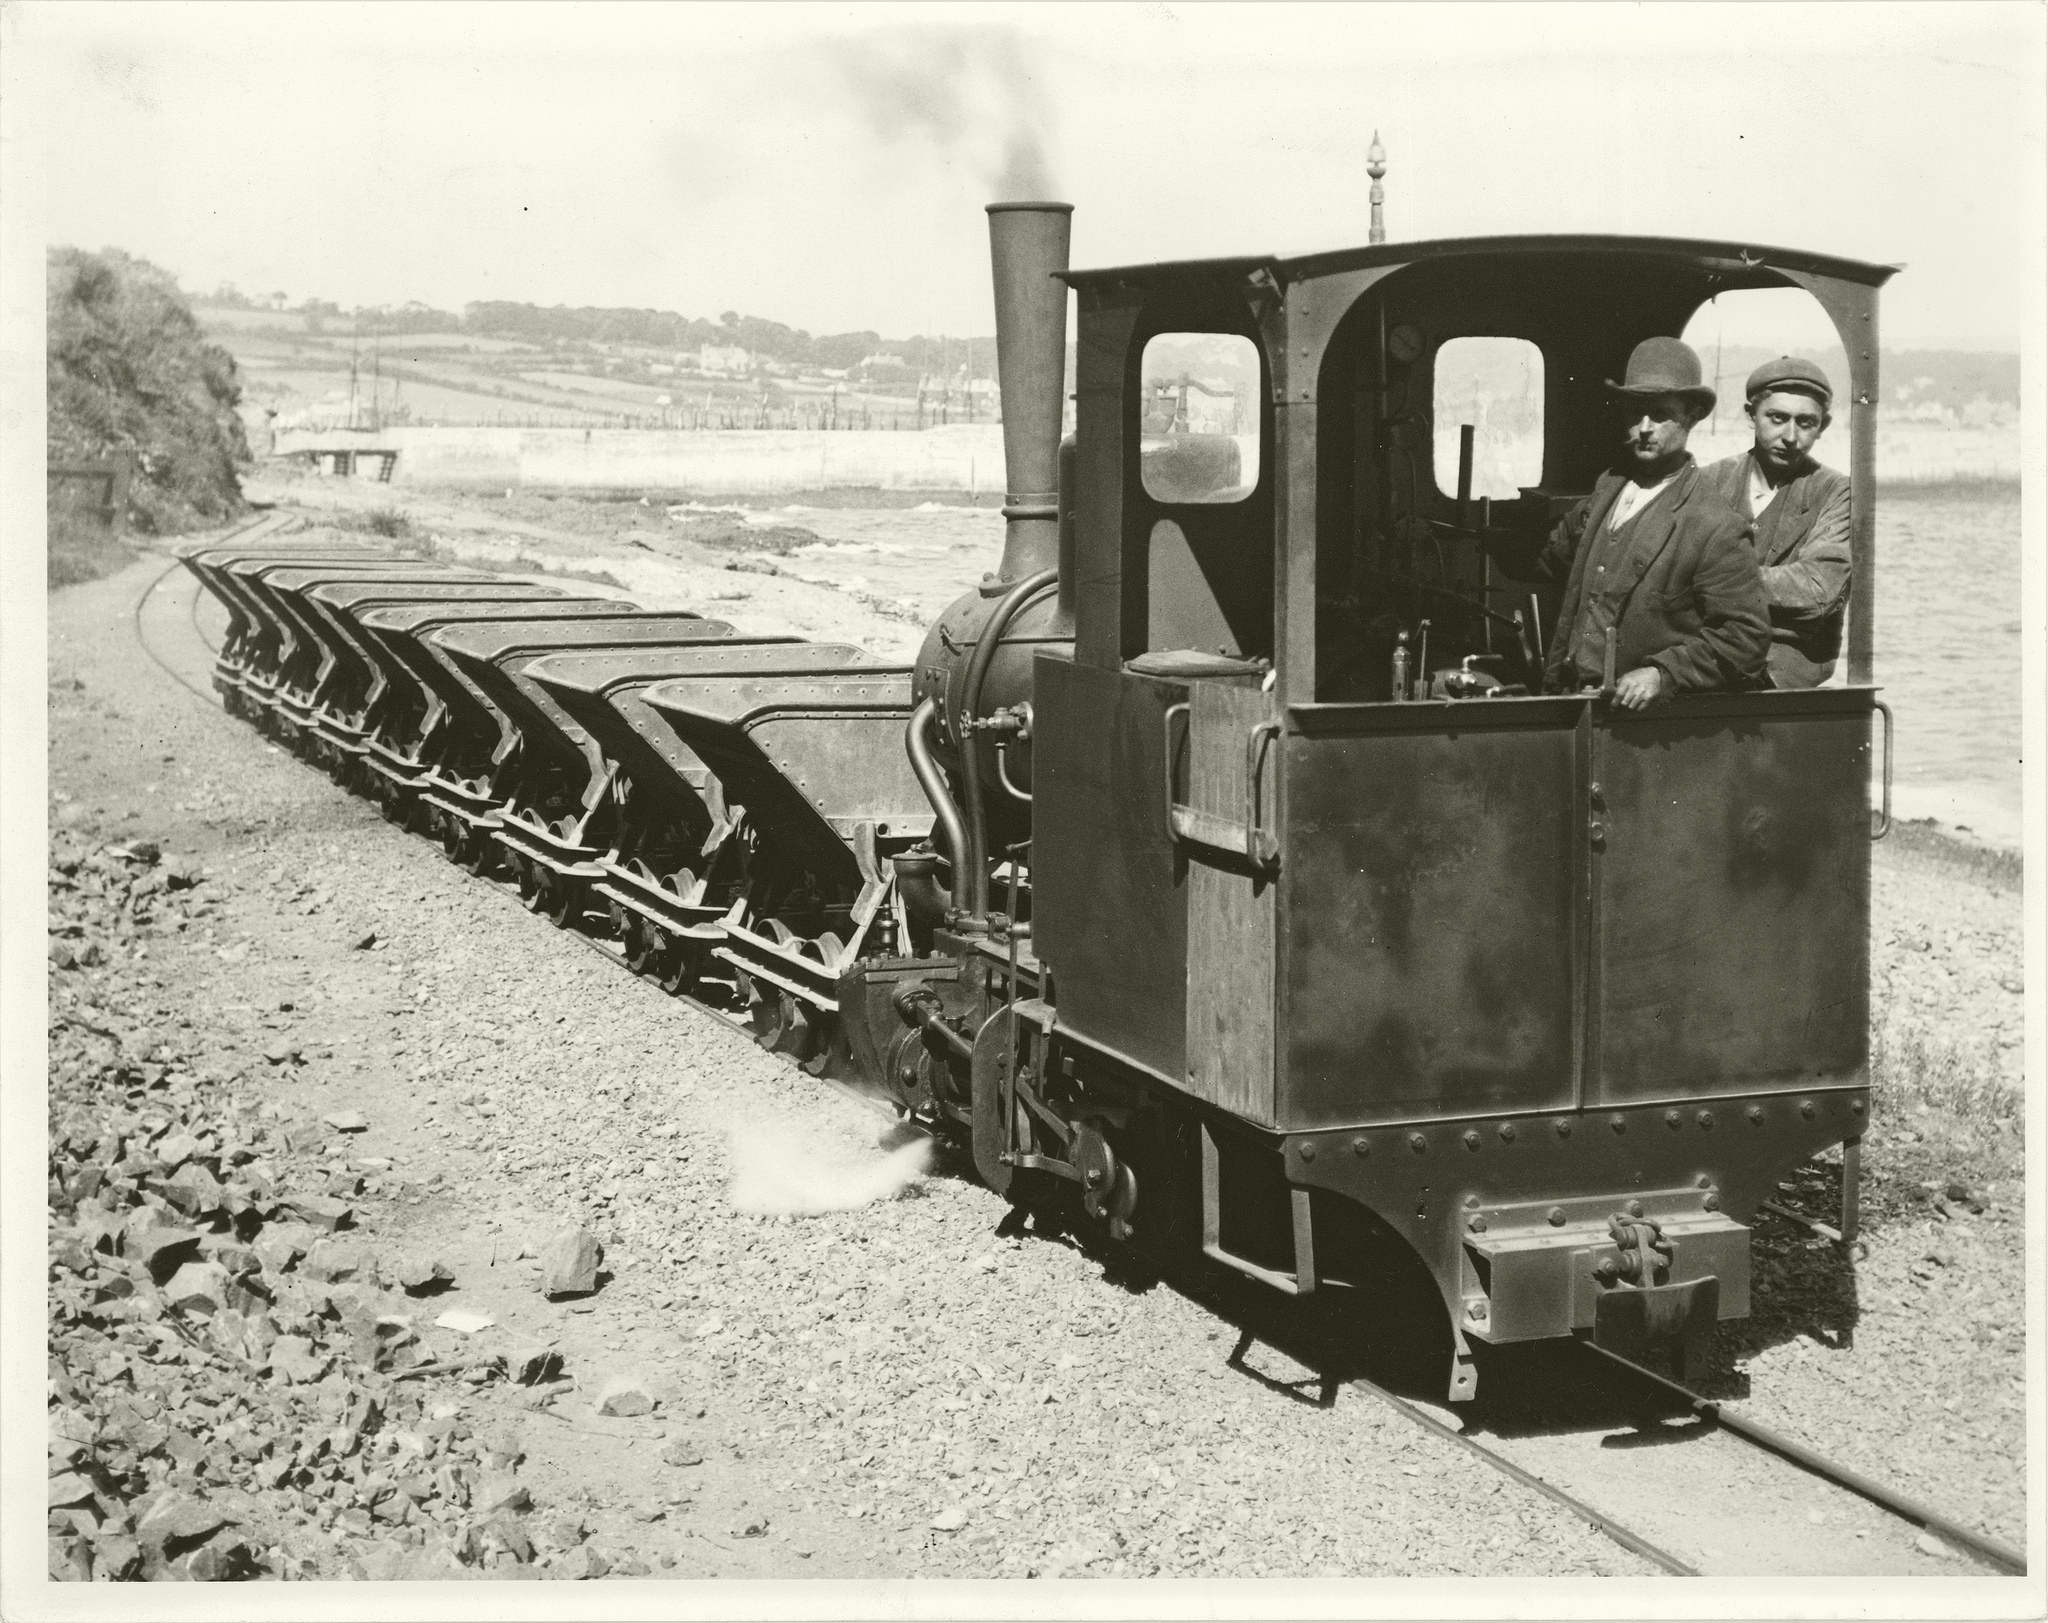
(1686, 596)
(1802, 547)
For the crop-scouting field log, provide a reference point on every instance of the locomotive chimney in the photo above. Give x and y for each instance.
(1028, 247)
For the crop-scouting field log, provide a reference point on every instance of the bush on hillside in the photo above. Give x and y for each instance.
(130, 370)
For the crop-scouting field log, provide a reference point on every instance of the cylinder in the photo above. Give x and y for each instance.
(1028, 249)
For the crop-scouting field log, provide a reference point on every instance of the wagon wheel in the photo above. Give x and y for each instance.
(526, 875)
(644, 944)
(678, 966)
(452, 829)
(562, 898)
(785, 1024)
(479, 851)
(415, 815)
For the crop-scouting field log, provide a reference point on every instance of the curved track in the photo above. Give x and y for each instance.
(1710, 1416)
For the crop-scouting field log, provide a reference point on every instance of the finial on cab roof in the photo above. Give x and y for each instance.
(1376, 166)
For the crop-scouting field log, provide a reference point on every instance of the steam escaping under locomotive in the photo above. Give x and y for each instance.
(1220, 866)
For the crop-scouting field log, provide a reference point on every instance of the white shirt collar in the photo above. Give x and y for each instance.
(1634, 498)
(1761, 490)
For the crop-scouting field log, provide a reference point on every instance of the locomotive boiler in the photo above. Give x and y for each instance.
(1221, 867)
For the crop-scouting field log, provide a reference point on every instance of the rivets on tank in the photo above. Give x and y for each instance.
(1712, 1201)
(1673, 1120)
(1557, 1217)
(1477, 1225)
(1471, 1203)
(1705, 1118)
(1507, 1132)
(1417, 1143)
(1756, 1115)
(1564, 1126)
(1703, 1181)
(1308, 1150)
(1855, 1107)
(1471, 1138)
(1618, 1122)
(1361, 1146)
(1635, 1208)
(1806, 1108)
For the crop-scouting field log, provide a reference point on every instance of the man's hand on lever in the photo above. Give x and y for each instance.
(1641, 688)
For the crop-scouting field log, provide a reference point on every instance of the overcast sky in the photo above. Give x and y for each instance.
(825, 166)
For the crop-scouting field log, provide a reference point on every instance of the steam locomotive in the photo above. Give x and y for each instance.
(1220, 865)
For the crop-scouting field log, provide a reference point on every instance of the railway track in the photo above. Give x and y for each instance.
(1708, 1416)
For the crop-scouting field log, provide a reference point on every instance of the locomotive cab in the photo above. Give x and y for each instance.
(1553, 990)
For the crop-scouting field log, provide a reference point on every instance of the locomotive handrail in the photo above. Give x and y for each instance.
(1172, 710)
(1884, 820)
(1247, 837)
(1258, 844)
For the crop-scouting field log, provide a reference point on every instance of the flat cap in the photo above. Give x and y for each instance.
(1788, 374)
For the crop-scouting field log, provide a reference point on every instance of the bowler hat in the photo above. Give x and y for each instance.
(1662, 366)
(1788, 374)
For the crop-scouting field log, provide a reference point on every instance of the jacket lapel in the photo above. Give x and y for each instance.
(1654, 527)
(1796, 499)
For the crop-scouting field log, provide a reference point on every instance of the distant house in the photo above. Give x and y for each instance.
(661, 369)
(837, 373)
(724, 360)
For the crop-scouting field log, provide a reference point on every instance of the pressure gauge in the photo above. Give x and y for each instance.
(1404, 343)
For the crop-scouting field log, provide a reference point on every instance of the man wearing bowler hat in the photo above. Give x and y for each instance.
(1799, 515)
(1662, 594)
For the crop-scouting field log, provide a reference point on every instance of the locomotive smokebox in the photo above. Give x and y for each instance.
(1027, 244)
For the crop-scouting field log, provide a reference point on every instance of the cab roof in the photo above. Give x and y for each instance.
(1726, 264)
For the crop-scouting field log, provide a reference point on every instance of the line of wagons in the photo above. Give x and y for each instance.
(730, 801)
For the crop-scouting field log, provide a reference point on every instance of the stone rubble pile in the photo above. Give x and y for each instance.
(236, 1387)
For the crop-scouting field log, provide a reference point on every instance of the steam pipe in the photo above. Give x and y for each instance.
(970, 702)
(918, 887)
(917, 740)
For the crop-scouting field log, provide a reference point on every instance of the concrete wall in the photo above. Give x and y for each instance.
(724, 463)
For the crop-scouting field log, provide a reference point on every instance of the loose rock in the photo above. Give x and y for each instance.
(625, 1395)
(568, 1265)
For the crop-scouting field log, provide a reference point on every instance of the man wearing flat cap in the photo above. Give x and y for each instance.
(1799, 512)
(1662, 594)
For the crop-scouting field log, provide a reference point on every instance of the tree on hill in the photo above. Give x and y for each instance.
(130, 371)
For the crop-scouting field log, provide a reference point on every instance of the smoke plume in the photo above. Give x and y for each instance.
(975, 96)
(782, 1170)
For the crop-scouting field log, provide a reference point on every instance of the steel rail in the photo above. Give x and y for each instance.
(1994, 1552)
(157, 659)
(1634, 1543)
